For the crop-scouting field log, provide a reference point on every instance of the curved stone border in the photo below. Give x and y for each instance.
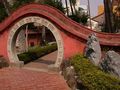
(14, 32)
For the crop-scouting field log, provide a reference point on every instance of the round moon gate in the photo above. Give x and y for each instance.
(34, 19)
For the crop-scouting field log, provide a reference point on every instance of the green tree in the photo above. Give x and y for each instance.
(3, 13)
(55, 3)
(66, 3)
(19, 3)
(80, 16)
(117, 17)
(71, 6)
(6, 6)
(40, 1)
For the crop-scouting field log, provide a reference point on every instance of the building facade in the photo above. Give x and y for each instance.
(33, 37)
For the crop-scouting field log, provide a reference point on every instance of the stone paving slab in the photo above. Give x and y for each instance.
(21, 79)
(43, 62)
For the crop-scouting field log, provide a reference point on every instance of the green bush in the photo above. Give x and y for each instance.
(36, 52)
(39, 51)
(92, 77)
(27, 57)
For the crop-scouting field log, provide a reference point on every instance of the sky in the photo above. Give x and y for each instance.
(93, 5)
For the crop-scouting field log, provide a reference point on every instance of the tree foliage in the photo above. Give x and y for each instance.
(55, 3)
(3, 13)
(117, 17)
(76, 16)
(112, 17)
(19, 3)
(80, 16)
(73, 3)
(66, 8)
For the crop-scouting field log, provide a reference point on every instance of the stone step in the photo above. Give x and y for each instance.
(40, 70)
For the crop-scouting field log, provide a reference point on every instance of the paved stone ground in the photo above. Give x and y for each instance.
(22, 79)
(34, 78)
(43, 62)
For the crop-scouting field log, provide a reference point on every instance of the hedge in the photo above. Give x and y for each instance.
(92, 77)
(36, 52)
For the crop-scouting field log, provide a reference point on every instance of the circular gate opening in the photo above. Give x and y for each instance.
(36, 46)
(35, 37)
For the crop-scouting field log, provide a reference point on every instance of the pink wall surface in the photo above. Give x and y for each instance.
(73, 34)
(72, 46)
(3, 44)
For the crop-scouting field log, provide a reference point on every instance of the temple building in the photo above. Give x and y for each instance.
(33, 36)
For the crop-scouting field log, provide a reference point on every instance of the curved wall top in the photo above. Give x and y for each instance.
(59, 19)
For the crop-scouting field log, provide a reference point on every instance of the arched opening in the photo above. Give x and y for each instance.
(39, 23)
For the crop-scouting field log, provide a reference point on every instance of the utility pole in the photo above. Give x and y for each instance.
(89, 14)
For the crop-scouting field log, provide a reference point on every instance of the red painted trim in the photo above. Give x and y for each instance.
(58, 18)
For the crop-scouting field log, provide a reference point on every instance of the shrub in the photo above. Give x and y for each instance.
(92, 77)
(39, 51)
(36, 52)
(27, 57)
